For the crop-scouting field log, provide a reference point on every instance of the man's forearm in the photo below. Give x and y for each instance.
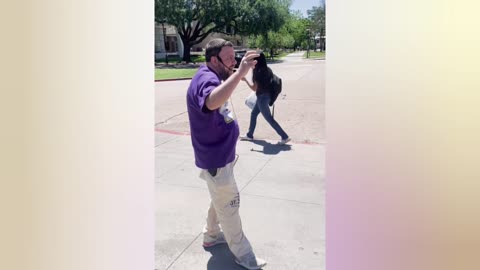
(223, 92)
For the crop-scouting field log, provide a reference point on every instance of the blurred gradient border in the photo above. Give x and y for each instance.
(77, 162)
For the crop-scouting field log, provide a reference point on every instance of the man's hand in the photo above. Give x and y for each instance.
(222, 92)
(247, 63)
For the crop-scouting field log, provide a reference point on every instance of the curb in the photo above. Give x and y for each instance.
(179, 133)
(177, 79)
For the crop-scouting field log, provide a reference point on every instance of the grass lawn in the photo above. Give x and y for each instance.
(174, 73)
(181, 73)
(176, 59)
(313, 54)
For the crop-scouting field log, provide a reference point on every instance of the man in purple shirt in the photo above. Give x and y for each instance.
(214, 132)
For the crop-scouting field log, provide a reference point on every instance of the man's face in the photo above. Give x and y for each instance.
(227, 56)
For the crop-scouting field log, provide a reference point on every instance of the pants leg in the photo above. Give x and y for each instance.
(226, 201)
(212, 227)
(262, 103)
(253, 120)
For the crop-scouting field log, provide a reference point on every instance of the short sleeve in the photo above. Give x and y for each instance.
(202, 84)
(204, 90)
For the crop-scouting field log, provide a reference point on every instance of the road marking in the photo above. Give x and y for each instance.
(172, 132)
(305, 142)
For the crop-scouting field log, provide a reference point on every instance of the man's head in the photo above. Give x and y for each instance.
(220, 57)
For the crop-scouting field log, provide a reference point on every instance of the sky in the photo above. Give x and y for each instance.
(303, 5)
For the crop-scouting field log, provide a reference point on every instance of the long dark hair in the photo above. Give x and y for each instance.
(262, 73)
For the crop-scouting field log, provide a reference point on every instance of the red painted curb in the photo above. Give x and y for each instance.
(172, 132)
(188, 134)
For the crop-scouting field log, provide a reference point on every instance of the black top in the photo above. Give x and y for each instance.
(262, 77)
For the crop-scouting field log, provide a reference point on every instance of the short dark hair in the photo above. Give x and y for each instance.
(214, 47)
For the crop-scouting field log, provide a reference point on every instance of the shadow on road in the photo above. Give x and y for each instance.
(276, 61)
(269, 148)
(222, 259)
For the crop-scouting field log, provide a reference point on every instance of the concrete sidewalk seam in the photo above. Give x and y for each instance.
(183, 251)
(253, 177)
(169, 118)
(174, 138)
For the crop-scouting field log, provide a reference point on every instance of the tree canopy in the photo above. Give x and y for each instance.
(269, 23)
(196, 19)
(316, 16)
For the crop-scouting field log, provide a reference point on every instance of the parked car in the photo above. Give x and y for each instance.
(238, 56)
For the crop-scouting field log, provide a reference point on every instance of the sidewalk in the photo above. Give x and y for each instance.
(282, 205)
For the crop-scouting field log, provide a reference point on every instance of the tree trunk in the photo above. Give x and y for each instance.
(186, 52)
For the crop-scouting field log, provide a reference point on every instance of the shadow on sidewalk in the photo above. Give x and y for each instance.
(269, 148)
(222, 259)
(273, 62)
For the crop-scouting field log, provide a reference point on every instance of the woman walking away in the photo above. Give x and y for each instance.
(262, 77)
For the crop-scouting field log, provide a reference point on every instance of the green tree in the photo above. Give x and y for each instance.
(316, 15)
(268, 17)
(296, 27)
(287, 41)
(196, 19)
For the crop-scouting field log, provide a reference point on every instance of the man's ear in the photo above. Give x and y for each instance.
(214, 60)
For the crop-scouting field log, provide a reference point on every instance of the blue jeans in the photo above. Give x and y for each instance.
(262, 107)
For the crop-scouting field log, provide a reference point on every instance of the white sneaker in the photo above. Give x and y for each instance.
(210, 241)
(251, 262)
(285, 141)
(246, 138)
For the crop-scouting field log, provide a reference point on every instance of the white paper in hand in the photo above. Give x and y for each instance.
(251, 100)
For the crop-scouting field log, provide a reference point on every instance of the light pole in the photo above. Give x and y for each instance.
(164, 40)
(308, 42)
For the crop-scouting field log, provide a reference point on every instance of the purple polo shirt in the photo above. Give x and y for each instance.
(213, 139)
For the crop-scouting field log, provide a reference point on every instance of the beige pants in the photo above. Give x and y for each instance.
(223, 211)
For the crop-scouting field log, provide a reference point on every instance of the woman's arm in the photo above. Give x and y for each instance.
(252, 86)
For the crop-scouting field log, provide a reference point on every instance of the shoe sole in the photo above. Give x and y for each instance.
(256, 268)
(211, 244)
